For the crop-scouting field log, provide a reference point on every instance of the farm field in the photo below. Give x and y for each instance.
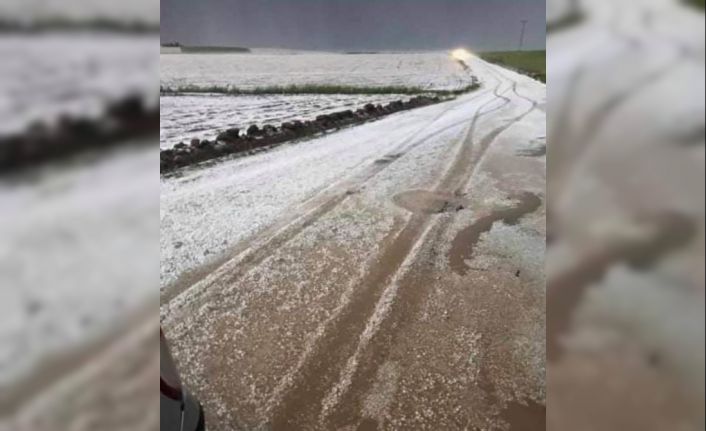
(531, 62)
(427, 70)
(204, 115)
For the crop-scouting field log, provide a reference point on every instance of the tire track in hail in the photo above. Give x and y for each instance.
(284, 382)
(600, 114)
(598, 117)
(251, 252)
(457, 175)
(370, 357)
(568, 147)
(299, 406)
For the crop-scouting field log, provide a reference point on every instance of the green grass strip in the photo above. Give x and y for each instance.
(531, 63)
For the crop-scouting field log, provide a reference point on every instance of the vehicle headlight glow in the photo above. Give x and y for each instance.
(461, 54)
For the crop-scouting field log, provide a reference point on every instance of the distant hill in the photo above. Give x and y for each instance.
(69, 25)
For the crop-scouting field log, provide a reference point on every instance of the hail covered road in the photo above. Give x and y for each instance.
(388, 276)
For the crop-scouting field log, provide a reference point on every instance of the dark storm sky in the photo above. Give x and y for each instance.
(354, 24)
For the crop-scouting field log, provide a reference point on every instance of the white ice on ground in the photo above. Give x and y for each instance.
(204, 116)
(428, 70)
(205, 211)
(215, 321)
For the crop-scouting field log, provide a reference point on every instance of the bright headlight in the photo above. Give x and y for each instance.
(461, 54)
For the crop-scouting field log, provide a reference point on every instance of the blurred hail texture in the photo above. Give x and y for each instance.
(145, 11)
(625, 263)
(79, 203)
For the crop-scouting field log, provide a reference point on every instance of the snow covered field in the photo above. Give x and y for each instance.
(428, 70)
(47, 75)
(204, 115)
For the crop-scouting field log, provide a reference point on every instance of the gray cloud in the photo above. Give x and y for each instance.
(354, 25)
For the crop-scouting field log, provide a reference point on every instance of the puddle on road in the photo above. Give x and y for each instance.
(426, 202)
(536, 148)
(529, 417)
(537, 151)
(520, 415)
(465, 241)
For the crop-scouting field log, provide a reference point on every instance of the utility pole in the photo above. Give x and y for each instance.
(522, 34)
